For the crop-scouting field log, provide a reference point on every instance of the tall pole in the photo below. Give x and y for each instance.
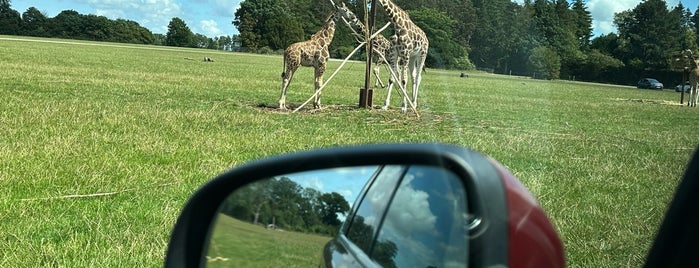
(684, 79)
(366, 93)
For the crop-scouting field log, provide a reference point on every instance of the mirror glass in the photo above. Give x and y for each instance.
(405, 216)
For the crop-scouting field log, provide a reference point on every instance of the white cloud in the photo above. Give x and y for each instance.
(603, 13)
(152, 14)
(210, 28)
(414, 214)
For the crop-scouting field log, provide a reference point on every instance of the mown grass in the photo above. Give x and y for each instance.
(240, 244)
(146, 127)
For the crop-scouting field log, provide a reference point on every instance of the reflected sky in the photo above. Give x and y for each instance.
(427, 220)
(347, 181)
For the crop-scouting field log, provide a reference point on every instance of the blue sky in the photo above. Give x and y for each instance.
(214, 17)
(346, 181)
(208, 17)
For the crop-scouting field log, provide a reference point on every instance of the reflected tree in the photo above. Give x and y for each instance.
(362, 235)
(286, 204)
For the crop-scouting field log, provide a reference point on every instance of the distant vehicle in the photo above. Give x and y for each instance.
(649, 83)
(687, 86)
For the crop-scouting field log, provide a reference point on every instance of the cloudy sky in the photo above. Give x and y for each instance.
(208, 17)
(214, 17)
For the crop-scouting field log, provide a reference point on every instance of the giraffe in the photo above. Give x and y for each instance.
(379, 44)
(311, 53)
(693, 78)
(409, 47)
(693, 81)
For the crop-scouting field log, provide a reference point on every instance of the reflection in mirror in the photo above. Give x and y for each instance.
(424, 225)
(284, 221)
(406, 216)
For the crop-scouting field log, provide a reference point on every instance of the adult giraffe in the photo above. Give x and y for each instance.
(380, 45)
(693, 78)
(409, 45)
(311, 53)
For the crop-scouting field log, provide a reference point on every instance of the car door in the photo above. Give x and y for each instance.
(408, 216)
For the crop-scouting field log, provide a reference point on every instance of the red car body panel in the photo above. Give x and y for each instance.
(533, 242)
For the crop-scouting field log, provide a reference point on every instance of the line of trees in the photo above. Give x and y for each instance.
(547, 39)
(284, 203)
(70, 24)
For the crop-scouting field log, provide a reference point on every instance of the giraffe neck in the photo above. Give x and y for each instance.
(396, 14)
(326, 32)
(354, 22)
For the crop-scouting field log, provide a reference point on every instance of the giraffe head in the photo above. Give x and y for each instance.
(345, 13)
(351, 20)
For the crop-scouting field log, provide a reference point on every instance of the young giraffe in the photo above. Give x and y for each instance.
(409, 45)
(379, 44)
(313, 52)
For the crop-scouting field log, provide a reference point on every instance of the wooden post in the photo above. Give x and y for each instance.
(366, 93)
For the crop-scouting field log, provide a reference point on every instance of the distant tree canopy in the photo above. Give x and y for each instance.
(10, 20)
(178, 34)
(502, 36)
(70, 24)
(288, 205)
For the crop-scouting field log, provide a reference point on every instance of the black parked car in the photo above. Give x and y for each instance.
(649, 83)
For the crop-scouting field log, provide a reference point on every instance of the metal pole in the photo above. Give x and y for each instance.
(684, 79)
(366, 93)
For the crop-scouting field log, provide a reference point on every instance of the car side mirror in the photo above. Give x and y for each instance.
(457, 206)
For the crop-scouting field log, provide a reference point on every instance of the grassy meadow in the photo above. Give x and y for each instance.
(239, 244)
(101, 144)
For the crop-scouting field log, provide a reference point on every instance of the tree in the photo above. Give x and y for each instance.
(10, 20)
(444, 51)
(583, 24)
(225, 43)
(683, 19)
(545, 63)
(67, 24)
(492, 41)
(332, 204)
(178, 34)
(267, 23)
(652, 34)
(598, 67)
(34, 23)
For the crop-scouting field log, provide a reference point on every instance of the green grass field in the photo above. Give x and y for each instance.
(100, 146)
(239, 244)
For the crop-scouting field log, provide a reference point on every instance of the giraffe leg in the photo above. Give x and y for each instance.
(318, 83)
(404, 83)
(286, 79)
(391, 82)
(378, 78)
(418, 65)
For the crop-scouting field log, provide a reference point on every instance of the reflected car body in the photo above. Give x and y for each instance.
(649, 83)
(419, 227)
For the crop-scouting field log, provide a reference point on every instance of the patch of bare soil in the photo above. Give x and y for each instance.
(644, 101)
(308, 109)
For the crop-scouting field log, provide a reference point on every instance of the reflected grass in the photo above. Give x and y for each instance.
(239, 244)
